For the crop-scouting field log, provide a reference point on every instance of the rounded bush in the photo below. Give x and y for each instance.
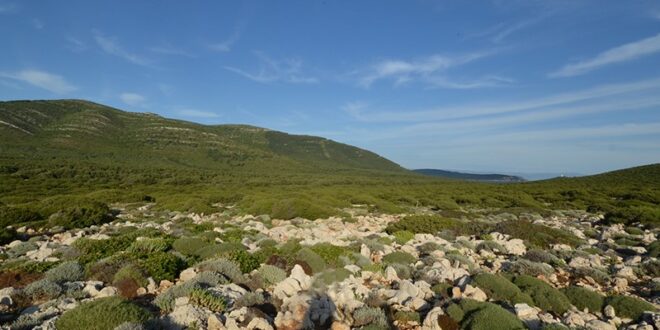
(162, 266)
(272, 274)
(584, 298)
(491, 317)
(189, 245)
(66, 272)
(315, 261)
(499, 288)
(403, 236)
(629, 307)
(543, 294)
(399, 257)
(102, 314)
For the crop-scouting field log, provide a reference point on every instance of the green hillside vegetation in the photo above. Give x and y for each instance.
(62, 157)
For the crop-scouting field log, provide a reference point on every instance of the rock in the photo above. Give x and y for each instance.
(296, 282)
(599, 325)
(6, 301)
(474, 293)
(529, 315)
(354, 269)
(259, 323)
(609, 312)
(336, 325)
(304, 311)
(108, 291)
(214, 323)
(627, 273)
(187, 274)
(185, 314)
(151, 285)
(391, 275)
(515, 246)
(92, 288)
(620, 284)
(456, 293)
(431, 320)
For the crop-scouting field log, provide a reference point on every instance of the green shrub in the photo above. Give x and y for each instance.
(455, 312)
(526, 267)
(629, 307)
(399, 257)
(102, 314)
(403, 316)
(584, 298)
(245, 260)
(490, 317)
(402, 271)
(65, 272)
(207, 299)
(431, 224)
(634, 230)
(537, 235)
(250, 299)
(315, 261)
(491, 246)
(162, 266)
(501, 289)
(403, 236)
(598, 275)
(654, 249)
(189, 245)
(42, 289)
(132, 272)
(228, 269)
(7, 235)
(93, 250)
(370, 316)
(149, 245)
(331, 276)
(330, 253)
(21, 249)
(272, 274)
(538, 255)
(93, 213)
(543, 294)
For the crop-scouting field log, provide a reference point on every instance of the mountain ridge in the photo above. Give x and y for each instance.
(500, 178)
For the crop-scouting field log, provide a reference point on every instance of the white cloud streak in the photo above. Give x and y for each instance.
(623, 53)
(51, 82)
(132, 99)
(167, 49)
(270, 71)
(112, 47)
(227, 44)
(430, 70)
(474, 110)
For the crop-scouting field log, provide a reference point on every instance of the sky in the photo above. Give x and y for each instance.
(561, 86)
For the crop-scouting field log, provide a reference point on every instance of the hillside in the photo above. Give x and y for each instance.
(58, 155)
(81, 129)
(501, 178)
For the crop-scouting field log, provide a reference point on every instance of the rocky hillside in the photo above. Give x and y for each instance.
(90, 131)
(150, 269)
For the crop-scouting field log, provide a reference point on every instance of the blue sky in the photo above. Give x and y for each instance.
(514, 86)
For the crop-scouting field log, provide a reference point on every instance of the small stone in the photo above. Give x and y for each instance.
(599, 325)
(456, 293)
(108, 291)
(141, 291)
(214, 323)
(609, 312)
(187, 274)
(391, 275)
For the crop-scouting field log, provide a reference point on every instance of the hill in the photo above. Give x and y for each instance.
(82, 129)
(65, 155)
(501, 178)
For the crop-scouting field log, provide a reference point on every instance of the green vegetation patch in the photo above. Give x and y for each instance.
(102, 314)
(499, 288)
(543, 294)
(585, 298)
(629, 307)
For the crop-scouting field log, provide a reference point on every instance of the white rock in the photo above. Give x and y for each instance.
(515, 246)
(108, 291)
(474, 293)
(187, 274)
(391, 275)
(609, 312)
(431, 320)
(296, 282)
(599, 325)
(214, 323)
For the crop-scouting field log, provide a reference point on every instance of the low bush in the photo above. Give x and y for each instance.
(538, 255)
(405, 317)
(331, 276)
(403, 236)
(537, 235)
(488, 316)
(330, 253)
(271, 274)
(42, 290)
(102, 314)
(208, 300)
(585, 298)
(21, 249)
(526, 267)
(246, 261)
(66, 272)
(224, 267)
(162, 266)
(315, 261)
(499, 288)
(431, 224)
(375, 316)
(189, 246)
(149, 245)
(543, 294)
(629, 307)
(491, 246)
(596, 274)
(82, 216)
(399, 257)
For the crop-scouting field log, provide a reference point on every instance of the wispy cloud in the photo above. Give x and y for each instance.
(489, 109)
(42, 79)
(197, 113)
(132, 99)
(37, 23)
(288, 70)
(8, 8)
(168, 49)
(111, 46)
(227, 44)
(430, 70)
(498, 32)
(623, 53)
(75, 45)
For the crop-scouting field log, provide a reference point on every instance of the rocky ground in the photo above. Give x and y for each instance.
(151, 269)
